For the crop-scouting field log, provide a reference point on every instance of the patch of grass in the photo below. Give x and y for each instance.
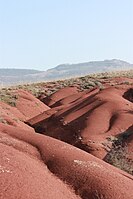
(82, 83)
(8, 97)
(119, 157)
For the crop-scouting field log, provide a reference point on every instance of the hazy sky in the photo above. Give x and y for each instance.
(41, 34)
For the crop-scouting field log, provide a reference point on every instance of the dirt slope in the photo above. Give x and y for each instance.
(88, 119)
(87, 123)
(87, 175)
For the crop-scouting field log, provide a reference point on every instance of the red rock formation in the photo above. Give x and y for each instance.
(28, 105)
(38, 166)
(60, 94)
(29, 164)
(87, 119)
(13, 117)
(23, 174)
(12, 111)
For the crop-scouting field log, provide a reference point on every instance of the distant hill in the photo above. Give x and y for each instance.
(17, 72)
(70, 70)
(19, 76)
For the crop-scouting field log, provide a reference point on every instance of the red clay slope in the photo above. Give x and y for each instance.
(88, 119)
(60, 94)
(12, 116)
(29, 164)
(12, 111)
(28, 105)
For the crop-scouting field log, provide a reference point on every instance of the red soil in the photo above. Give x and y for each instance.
(117, 81)
(9, 110)
(28, 105)
(38, 166)
(30, 173)
(23, 174)
(88, 119)
(13, 117)
(60, 94)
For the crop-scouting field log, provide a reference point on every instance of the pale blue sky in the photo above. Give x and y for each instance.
(41, 34)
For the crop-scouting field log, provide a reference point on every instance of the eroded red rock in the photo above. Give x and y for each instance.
(6, 109)
(90, 119)
(30, 163)
(23, 173)
(13, 117)
(38, 166)
(60, 94)
(28, 105)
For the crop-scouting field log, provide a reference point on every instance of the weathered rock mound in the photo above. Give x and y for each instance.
(59, 95)
(28, 104)
(12, 116)
(38, 166)
(88, 119)
(30, 163)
